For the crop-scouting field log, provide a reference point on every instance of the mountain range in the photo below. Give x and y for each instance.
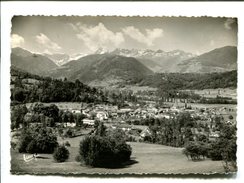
(123, 65)
(156, 60)
(103, 68)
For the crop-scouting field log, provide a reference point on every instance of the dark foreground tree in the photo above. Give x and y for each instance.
(196, 151)
(61, 154)
(37, 140)
(97, 151)
(224, 148)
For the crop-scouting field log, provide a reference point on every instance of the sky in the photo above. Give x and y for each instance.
(86, 34)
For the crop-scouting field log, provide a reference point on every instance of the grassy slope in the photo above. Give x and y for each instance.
(148, 158)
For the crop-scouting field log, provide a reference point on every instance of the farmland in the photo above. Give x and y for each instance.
(146, 158)
(212, 93)
(157, 128)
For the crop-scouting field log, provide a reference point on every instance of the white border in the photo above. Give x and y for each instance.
(8, 9)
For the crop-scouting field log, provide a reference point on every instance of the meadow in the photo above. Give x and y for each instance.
(212, 93)
(145, 159)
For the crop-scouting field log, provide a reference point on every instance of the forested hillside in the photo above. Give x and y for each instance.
(104, 67)
(200, 81)
(27, 87)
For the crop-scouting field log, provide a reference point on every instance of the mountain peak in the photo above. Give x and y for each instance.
(21, 52)
(101, 51)
(217, 60)
(31, 62)
(107, 68)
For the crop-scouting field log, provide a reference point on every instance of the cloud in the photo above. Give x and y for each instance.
(228, 23)
(17, 40)
(98, 36)
(47, 44)
(148, 38)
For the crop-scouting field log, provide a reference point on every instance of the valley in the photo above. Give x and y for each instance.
(148, 62)
(123, 95)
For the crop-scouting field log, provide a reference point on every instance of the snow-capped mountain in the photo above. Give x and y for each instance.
(58, 58)
(156, 60)
(77, 56)
(61, 59)
(101, 51)
(149, 54)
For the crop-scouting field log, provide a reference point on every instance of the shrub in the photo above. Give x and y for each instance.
(131, 139)
(78, 158)
(147, 138)
(215, 154)
(231, 117)
(13, 145)
(61, 154)
(196, 150)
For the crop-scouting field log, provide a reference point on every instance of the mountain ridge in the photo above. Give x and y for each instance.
(113, 67)
(218, 60)
(103, 67)
(31, 62)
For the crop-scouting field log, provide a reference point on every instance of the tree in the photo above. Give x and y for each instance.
(61, 154)
(19, 94)
(224, 148)
(78, 118)
(105, 148)
(98, 151)
(100, 128)
(196, 150)
(37, 140)
(231, 117)
(17, 115)
(188, 135)
(52, 111)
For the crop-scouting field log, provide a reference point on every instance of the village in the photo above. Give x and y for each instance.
(134, 118)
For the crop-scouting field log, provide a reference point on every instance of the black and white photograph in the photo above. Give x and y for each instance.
(123, 95)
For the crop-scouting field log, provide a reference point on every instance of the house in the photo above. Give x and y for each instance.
(213, 136)
(70, 124)
(101, 115)
(76, 111)
(125, 110)
(114, 114)
(89, 122)
(124, 127)
(145, 132)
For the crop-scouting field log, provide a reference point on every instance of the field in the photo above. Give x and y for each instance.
(204, 106)
(212, 93)
(62, 105)
(146, 158)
